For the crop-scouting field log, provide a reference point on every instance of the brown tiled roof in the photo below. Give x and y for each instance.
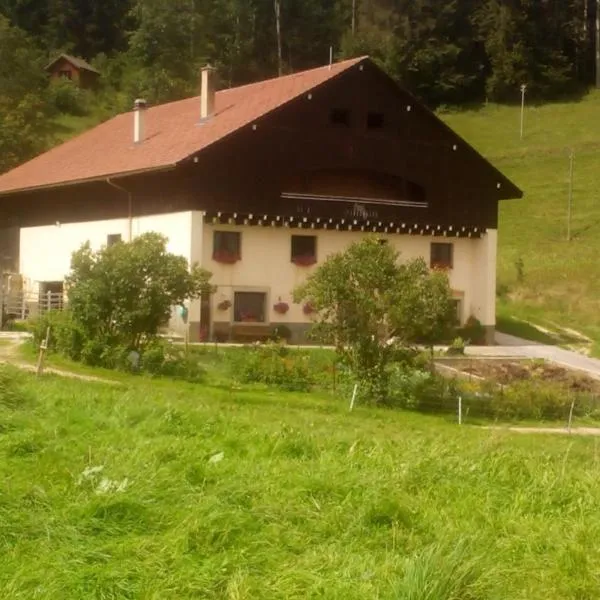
(172, 134)
(74, 60)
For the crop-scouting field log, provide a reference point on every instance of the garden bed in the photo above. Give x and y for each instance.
(507, 371)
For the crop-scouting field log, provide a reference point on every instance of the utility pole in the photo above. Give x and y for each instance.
(523, 90)
(570, 202)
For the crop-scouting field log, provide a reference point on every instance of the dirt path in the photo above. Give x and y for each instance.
(9, 354)
(593, 431)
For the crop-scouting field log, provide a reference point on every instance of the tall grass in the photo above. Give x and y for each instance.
(172, 490)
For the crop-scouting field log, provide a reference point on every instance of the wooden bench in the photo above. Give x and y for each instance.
(250, 332)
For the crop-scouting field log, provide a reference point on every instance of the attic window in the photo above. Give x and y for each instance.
(375, 120)
(65, 73)
(340, 116)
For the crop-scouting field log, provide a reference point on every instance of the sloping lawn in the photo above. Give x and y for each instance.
(559, 280)
(171, 491)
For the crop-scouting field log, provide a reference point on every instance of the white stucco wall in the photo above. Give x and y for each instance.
(265, 266)
(45, 252)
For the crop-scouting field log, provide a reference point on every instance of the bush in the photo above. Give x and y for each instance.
(166, 360)
(66, 336)
(274, 364)
(66, 97)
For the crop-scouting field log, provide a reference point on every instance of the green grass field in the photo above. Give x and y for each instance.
(561, 279)
(165, 490)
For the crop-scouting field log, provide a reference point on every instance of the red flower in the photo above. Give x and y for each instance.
(223, 256)
(304, 261)
(281, 307)
(224, 305)
(308, 309)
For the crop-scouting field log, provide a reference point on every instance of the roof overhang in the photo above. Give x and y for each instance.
(98, 179)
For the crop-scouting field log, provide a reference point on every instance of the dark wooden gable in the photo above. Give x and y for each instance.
(357, 145)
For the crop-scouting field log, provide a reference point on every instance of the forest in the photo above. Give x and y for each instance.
(447, 52)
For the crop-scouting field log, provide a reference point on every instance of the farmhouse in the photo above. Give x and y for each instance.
(74, 69)
(259, 184)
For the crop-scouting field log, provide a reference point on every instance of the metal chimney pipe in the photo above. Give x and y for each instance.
(207, 93)
(139, 110)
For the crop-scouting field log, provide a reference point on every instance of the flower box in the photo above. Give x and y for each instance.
(224, 305)
(441, 266)
(308, 309)
(281, 307)
(225, 257)
(304, 261)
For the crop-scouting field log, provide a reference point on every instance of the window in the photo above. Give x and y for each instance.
(66, 74)
(340, 116)
(304, 250)
(375, 120)
(441, 256)
(249, 307)
(112, 239)
(227, 246)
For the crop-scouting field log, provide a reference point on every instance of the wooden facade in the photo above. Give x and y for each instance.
(66, 68)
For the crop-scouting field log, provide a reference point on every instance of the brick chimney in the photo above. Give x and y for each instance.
(207, 93)
(139, 117)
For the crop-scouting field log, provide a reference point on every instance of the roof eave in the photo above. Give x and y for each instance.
(99, 178)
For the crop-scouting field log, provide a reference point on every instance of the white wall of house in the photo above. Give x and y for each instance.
(45, 251)
(265, 266)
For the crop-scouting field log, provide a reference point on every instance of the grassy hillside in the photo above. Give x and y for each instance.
(167, 490)
(561, 280)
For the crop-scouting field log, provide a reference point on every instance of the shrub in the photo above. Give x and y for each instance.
(473, 331)
(66, 97)
(66, 336)
(274, 364)
(166, 360)
(457, 348)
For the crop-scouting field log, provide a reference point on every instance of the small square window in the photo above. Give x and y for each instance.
(304, 250)
(112, 239)
(250, 307)
(375, 120)
(442, 256)
(66, 74)
(227, 246)
(340, 116)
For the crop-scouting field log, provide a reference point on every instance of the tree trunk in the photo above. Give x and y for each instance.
(353, 17)
(278, 29)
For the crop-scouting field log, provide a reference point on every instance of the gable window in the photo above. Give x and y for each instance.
(112, 239)
(340, 116)
(442, 256)
(227, 246)
(250, 307)
(65, 73)
(304, 250)
(375, 120)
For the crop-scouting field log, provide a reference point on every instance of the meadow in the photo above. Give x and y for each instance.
(543, 278)
(159, 489)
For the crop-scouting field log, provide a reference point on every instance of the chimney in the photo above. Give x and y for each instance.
(207, 93)
(139, 114)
